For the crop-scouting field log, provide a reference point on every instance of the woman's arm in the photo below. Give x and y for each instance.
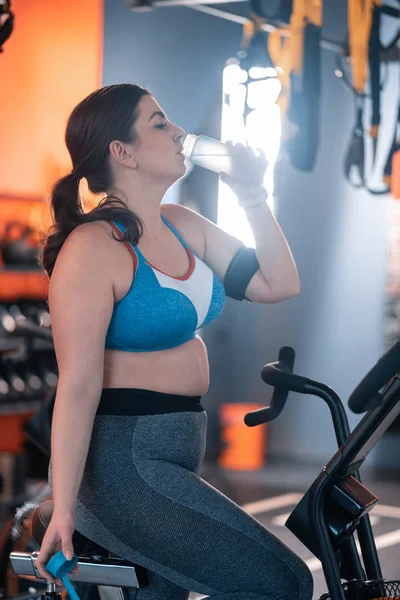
(276, 279)
(72, 425)
(81, 300)
(277, 265)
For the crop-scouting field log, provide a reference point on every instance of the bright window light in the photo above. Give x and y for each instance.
(250, 116)
(261, 72)
(263, 93)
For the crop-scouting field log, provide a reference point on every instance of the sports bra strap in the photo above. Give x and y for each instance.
(118, 228)
(175, 231)
(127, 244)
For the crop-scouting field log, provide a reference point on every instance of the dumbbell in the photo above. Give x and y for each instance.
(7, 321)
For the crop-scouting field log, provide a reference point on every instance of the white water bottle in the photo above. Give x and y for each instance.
(207, 153)
(216, 156)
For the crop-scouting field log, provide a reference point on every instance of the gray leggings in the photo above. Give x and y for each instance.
(142, 498)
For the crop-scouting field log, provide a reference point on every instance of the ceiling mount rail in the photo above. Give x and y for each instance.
(270, 26)
(217, 12)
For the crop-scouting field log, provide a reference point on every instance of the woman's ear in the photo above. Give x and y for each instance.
(123, 154)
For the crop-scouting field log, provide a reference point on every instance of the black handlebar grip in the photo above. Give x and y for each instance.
(387, 367)
(264, 415)
(286, 358)
(275, 376)
(268, 413)
(284, 366)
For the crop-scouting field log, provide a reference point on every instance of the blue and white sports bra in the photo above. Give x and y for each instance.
(161, 311)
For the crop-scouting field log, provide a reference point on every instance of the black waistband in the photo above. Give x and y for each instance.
(132, 401)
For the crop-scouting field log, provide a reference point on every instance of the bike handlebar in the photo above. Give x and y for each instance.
(284, 366)
(277, 375)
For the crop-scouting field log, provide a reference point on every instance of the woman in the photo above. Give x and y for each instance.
(129, 430)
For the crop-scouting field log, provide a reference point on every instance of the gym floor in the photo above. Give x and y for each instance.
(271, 494)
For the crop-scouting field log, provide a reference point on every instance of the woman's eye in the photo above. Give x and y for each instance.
(161, 126)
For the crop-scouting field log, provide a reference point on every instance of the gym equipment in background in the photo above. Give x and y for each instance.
(17, 249)
(361, 60)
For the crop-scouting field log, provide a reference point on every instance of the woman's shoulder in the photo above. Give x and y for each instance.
(90, 248)
(90, 243)
(97, 231)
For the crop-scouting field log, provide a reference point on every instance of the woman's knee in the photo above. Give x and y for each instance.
(291, 579)
(305, 582)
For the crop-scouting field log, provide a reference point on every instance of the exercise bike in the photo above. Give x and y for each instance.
(325, 520)
(337, 504)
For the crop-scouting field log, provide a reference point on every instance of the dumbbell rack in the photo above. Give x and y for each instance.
(28, 373)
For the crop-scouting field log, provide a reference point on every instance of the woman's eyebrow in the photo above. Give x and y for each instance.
(157, 113)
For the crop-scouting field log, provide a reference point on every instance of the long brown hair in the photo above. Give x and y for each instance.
(105, 115)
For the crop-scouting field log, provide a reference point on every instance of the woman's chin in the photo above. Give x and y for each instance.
(174, 174)
(181, 171)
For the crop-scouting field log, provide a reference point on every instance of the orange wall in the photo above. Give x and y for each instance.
(51, 61)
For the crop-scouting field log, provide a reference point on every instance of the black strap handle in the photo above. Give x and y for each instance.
(363, 397)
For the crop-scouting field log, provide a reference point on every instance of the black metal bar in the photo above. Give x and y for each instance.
(338, 413)
(342, 431)
(366, 538)
(328, 559)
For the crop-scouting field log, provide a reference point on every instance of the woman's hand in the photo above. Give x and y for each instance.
(248, 172)
(58, 537)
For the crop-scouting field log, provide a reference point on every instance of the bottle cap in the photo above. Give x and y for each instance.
(188, 144)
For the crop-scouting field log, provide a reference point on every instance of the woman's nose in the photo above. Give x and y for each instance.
(180, 134)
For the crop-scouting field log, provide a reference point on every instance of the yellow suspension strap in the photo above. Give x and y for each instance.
(376, 52)
(295, 53)
(304, 58)
(360, 22)
(360, 18)
(296, 45)
(281, 47)
(391, 174)
(286, 48)
(248, 31)
(366, 52)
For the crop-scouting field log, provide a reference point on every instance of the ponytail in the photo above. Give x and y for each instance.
(67, 213)
(65, 202)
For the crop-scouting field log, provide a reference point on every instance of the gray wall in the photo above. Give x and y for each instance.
(338, 236)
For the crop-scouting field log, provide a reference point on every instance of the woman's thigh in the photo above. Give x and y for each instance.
(205, 538)
(147, 503)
